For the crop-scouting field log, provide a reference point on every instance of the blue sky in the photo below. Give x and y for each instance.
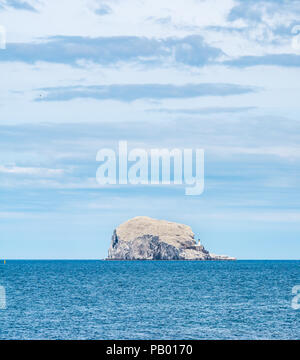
(222, 76)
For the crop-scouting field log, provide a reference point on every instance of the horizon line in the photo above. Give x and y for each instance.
(96, 259)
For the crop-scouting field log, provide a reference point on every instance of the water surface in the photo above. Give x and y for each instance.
(149, 300)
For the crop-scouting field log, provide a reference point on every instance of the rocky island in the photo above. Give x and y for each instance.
(144, 238)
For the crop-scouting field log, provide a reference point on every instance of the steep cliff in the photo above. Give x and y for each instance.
(143, 238)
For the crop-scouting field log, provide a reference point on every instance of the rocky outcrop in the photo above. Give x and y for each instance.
(143, 238)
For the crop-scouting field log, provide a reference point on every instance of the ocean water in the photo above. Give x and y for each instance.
(149, 300)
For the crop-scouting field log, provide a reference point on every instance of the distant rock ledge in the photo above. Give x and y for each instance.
(144, 238)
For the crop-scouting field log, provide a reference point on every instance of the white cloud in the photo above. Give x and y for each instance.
(18, 170)
(288, 152)
(258, 216)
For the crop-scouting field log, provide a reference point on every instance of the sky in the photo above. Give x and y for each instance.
(79, 76)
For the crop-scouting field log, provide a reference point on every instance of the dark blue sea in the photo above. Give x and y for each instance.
(149, 300)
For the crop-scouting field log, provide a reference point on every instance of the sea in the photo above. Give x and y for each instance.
(149, 300)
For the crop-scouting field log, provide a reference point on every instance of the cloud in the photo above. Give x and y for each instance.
(77, 142)
(17, 5)
(284, 60)
(190, 50)
(17, 170)
(266, 21)
(132, 92)
(204, 111)
(103, 10)
(259, 215)
(256, 10)
(225, 29)
(246, 10)
(160, 20)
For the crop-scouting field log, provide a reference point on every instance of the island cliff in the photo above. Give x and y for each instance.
(144, 238)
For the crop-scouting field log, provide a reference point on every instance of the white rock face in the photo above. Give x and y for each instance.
(144, 238)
